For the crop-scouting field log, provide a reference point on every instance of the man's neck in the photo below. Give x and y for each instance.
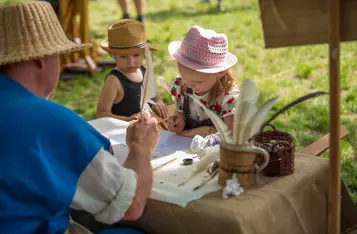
(23, 74)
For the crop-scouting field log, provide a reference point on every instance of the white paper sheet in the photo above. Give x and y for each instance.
(169, 142)
(121, 153)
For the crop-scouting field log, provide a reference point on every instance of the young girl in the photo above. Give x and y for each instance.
(204, 65)
(120, 95)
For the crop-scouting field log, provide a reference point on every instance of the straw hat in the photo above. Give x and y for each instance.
(203, 50)
(126, 37)
(31, 31)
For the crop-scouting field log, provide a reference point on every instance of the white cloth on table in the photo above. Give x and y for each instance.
(166, 181)
(167, 178)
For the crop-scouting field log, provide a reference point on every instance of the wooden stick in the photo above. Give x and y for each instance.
(207, 180)
(162, 165)
(334, 196)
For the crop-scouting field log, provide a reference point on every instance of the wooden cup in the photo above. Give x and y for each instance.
(242, 160)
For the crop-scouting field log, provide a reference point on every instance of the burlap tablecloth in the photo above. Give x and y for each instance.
(295, 204)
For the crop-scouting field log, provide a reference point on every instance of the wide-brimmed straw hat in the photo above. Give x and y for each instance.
(127, 37)
(203, 50)
(31, 31)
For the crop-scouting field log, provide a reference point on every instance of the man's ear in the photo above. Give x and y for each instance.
(40, 63)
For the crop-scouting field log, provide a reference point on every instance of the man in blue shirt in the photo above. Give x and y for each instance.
(52, 159)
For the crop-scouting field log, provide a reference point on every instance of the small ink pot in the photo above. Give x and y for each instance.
(187, 161)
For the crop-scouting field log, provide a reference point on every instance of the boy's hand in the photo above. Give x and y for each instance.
(161, 110)
(135, 116)
(176, 123)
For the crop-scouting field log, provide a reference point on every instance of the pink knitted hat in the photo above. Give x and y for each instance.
(203, 50)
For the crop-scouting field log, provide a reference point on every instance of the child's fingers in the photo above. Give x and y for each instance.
(165, 111)
(184, 133)
(161, 114)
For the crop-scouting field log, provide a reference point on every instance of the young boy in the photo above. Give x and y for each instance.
(120, 95)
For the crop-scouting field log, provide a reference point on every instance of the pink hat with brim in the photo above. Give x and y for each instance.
(203, 50)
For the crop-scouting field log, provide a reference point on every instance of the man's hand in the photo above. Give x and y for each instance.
(142, 137)
(143, 134)
(176, 123)
(135, 116)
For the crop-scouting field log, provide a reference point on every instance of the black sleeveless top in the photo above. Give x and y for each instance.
(130, 104)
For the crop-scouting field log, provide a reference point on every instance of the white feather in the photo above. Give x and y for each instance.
(249, 109)
(164, 83)
(211, 155)
(256, 122)
(248, 93)
(148, 89)
(166, 86)
(220, 125)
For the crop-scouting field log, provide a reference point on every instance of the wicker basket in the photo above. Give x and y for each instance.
(281, 148)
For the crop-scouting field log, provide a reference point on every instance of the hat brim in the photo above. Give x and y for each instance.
(173, 50)
(128, 51)
(40, 52)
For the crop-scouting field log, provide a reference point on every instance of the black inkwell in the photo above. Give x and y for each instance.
(187, 161)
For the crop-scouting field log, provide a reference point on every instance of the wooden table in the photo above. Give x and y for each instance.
(293, 204)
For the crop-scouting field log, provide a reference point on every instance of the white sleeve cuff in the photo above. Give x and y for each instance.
(115, 210)
(105, 188)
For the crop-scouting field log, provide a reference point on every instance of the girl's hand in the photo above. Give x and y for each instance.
(202, 131)
(160, 110)
(176, 123)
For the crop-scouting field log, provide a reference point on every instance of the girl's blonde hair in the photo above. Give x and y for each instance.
(224, 84)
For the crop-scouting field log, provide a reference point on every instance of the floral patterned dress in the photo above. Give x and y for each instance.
(223, 106)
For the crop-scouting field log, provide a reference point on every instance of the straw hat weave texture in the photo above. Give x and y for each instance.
(31, 31)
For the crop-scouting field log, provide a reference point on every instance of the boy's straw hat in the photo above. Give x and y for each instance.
(31, 31)
(126, 37)
(203, 50)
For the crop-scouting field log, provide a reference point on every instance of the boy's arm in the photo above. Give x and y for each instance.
(111, 88)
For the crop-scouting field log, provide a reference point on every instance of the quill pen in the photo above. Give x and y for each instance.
(293, 103)
(148, 90)
(288, 106)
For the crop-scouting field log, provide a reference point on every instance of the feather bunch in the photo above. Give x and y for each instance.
(148, 90)
(247, 118)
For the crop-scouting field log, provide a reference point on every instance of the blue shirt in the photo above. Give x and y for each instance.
(44, 149)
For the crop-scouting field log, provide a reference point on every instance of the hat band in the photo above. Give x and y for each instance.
(190, 58)
(141, 45)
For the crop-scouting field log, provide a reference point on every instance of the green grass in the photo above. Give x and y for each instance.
(287, 72)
